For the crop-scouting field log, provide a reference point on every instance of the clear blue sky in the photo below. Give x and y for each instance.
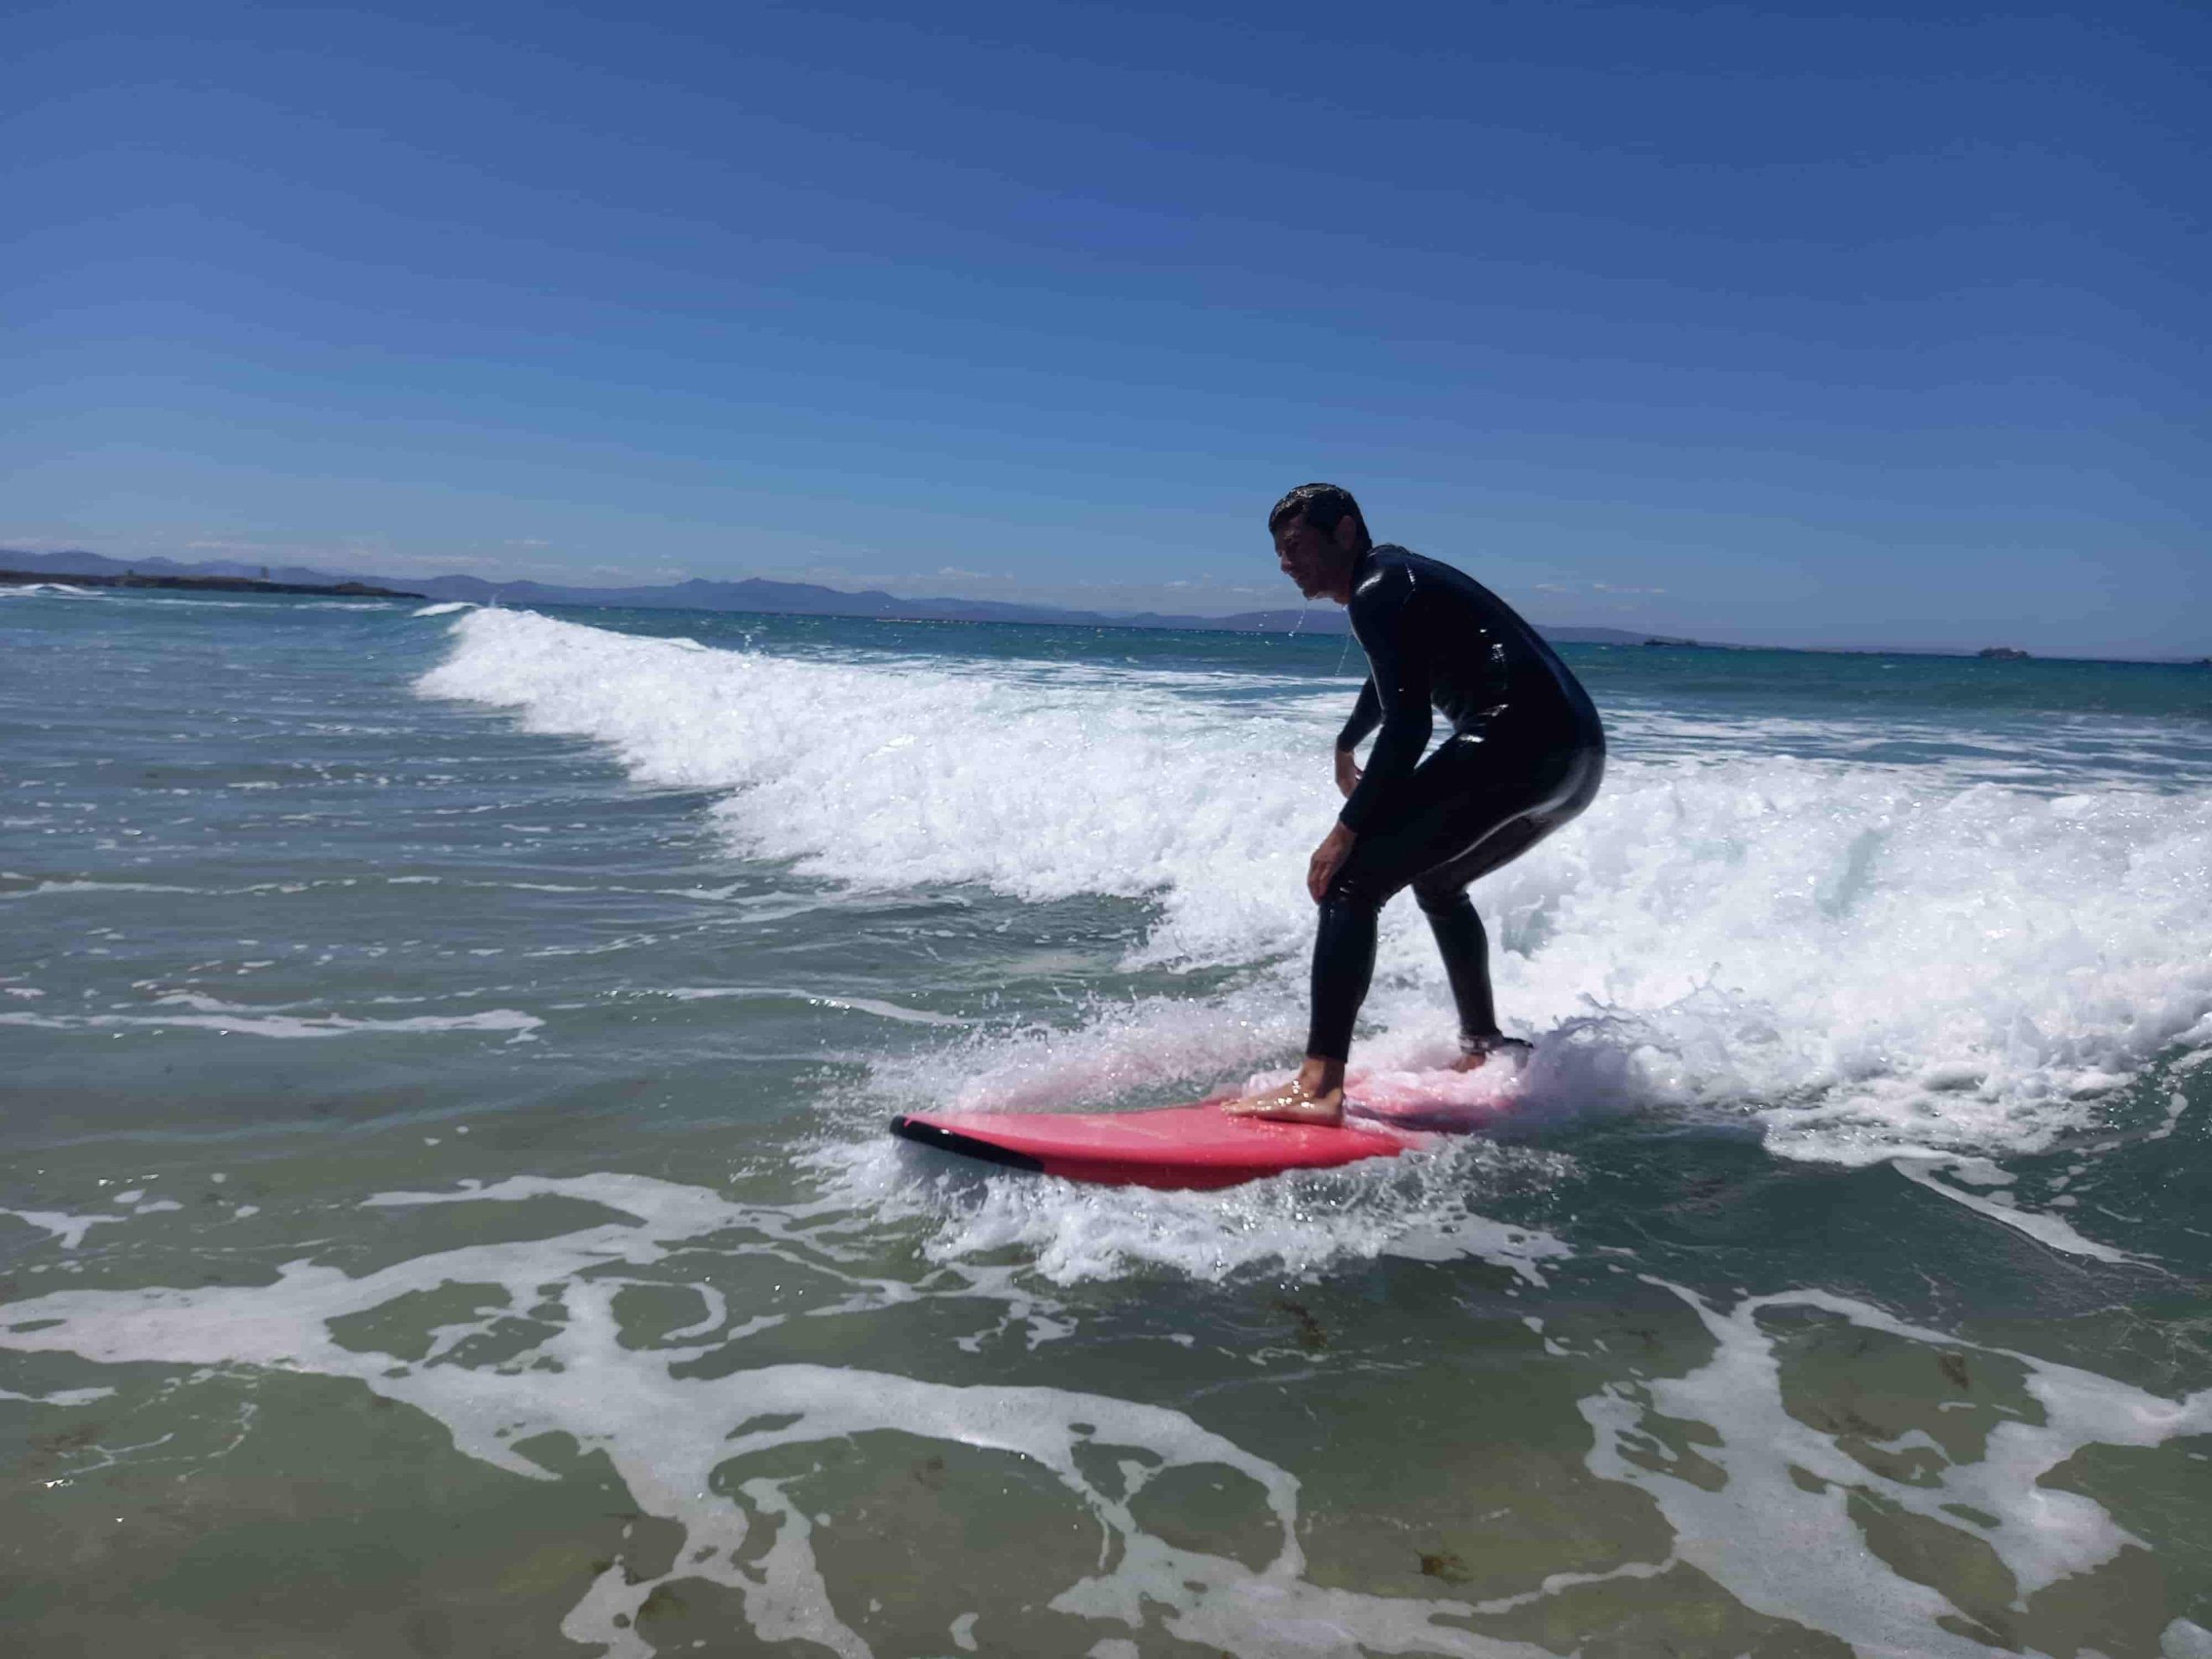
(1779, 322)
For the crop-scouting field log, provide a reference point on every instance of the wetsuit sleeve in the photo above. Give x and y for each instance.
(1399, 673)
(1366, 714)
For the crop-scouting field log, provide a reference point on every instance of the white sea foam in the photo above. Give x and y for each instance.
(1786, 1497)
(618, 1390)
(448, 607)
(904, 773)
(70, 1230)
(1422, 1205)
(2040, 1225)
(877, 1006)
(2048, 756)
(84, 887)
(520, 1025)
(1867, 961)
(678, 1416)
(62, 1397)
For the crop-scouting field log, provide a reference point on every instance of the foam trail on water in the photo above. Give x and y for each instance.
(62, 1397)
(70, 1230)
(669, 1431)
(521, 1026)
(546, 1360)
(1869, 961)
(1786, 1491)
(1423, 1206)
(2040, 1225)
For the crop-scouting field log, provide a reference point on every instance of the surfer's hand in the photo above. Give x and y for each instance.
(1347, 774)
(1328, 859)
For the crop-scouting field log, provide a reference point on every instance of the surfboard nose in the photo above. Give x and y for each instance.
(922, 1132)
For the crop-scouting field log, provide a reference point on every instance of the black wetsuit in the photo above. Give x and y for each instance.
(1526, 754)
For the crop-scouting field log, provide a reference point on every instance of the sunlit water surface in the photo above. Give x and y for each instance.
(444, 1057)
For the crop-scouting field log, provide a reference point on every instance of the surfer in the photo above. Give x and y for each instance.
(1525, 755)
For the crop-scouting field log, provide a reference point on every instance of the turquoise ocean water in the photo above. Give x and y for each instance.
(445, 1206)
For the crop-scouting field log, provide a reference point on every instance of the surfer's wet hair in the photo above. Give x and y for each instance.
(1322, 506)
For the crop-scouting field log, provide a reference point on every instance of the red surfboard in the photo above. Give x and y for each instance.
(1171, 1147)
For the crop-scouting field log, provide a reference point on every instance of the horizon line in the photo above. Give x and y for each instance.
(1074, 616)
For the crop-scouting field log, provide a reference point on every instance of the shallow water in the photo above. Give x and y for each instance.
(447, 1208)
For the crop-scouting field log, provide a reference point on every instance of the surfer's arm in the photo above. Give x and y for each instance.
(1366, 715)
(1400, 679)
(1348, 773)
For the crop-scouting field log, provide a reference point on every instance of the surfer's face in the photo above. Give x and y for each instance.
(1318, 562)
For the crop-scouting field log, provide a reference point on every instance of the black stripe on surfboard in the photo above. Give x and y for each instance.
(929, 1134)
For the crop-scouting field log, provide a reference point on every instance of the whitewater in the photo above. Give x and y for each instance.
(445, 1055)
(1869, 960)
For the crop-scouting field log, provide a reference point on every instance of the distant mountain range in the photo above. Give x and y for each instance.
(753, 593)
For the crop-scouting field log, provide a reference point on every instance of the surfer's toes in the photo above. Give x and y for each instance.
(1291, 1104)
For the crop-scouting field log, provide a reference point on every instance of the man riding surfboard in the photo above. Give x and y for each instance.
(1524, 755)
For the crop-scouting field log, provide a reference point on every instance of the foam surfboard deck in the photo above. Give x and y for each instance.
(1171, 1146)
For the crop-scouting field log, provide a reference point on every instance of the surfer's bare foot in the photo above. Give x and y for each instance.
(1475, 1051)
(1291, 1104)
(1316, 1095)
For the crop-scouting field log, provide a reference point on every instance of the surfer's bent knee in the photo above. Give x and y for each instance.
(1350, 894)
(1440, 898)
